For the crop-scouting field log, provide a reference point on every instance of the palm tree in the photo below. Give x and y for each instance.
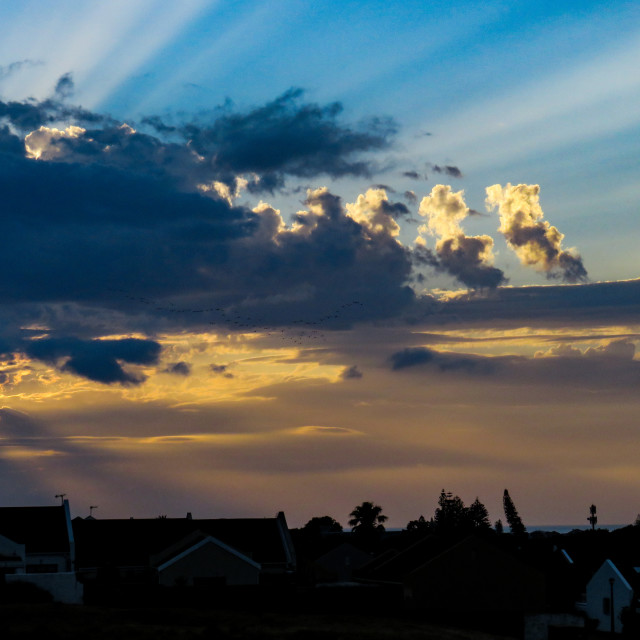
(367, 518)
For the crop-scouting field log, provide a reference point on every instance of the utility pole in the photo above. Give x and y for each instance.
(593, 518)
(61, 496)
(91, 508)
(611, 607)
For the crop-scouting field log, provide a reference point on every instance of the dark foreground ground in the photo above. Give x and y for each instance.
(57, 622)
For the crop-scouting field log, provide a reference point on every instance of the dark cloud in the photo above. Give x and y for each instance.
(98, 360)
(179, 368)
(64, 87)
(602, 369)
(601, 303)
(89, 227)
(158, 124)
(14, 67)
(351, 373)
(10, 143)
(410, 197)
(31, 114)
(463, 257)
(76, 237)
(421, 356)
(386, 187)
(411, 357)
(221, 369)
(414, 175)
(287, 137)
(448, 170)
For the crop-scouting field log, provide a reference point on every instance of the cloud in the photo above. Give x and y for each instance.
(221, 369)
(48, 143)
(351, 373)
(421, 356)
(410, 197)
(10, 143)
(622, 349)
(14, 67)
(414, 175)
(31, 114)
(535, 241)
(448, 170)
(467, 258)
(374, 212)
(285, 137)
(64, 87)
(605, 303)
(326, 431)
(98, 360)
(178, 368)
(15, 424)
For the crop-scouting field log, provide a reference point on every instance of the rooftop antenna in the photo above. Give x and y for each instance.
(91, 508)
(61, 496)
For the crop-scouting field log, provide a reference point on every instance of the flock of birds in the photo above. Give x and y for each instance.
(298, 331)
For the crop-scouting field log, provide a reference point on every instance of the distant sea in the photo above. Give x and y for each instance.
(566, 528)
(558, 528)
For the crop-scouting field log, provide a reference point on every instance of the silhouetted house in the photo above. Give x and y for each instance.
(476, 576)
(339, 563)
(609, 591)
(472, 575)
(37, 546)
(185, 550)
(202, 560)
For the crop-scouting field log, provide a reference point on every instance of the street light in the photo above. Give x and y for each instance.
(611, 607)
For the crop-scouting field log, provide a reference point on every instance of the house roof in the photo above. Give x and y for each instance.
(40, 529)
(195, 546)
(133, 542)
(393, 567)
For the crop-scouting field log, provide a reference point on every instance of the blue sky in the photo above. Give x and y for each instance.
(251, 235)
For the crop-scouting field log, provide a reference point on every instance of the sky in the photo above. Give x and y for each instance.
(297, 255)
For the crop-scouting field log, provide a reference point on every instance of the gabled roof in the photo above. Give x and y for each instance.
(393, 567)
(133, 542)
(625, 575)
(40, 529)
(206, 540)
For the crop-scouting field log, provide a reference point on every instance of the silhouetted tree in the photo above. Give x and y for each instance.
(512, 517)
(367, 522)
(419, 525)
(478, 516)
(322, 524)
(498, 526)
(451, 515)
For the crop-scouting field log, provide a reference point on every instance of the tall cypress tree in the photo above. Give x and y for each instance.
(511, 514)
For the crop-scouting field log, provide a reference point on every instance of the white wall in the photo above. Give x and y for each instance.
(599, 588)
